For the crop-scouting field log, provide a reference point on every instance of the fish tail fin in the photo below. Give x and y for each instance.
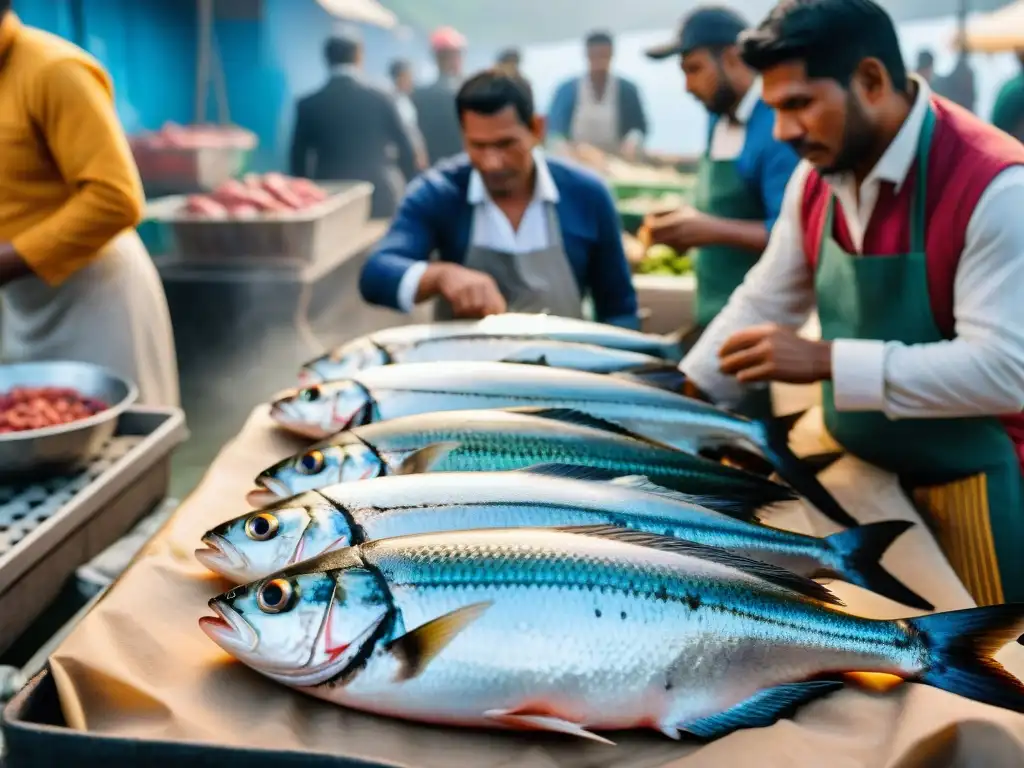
(801, 477)
(962, 646)
(859, 553)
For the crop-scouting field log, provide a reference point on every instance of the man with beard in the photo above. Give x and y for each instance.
(512, 230)
(902, 226)
(743, 172)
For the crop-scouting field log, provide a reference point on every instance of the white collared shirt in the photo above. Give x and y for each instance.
(729, 136)
(491, 227)
(980, 372)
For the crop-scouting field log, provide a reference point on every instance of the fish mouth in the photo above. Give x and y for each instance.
(221, 556)
(287, 417)
(269, 490)
(229, 630)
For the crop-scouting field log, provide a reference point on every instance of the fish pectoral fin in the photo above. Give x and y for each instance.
(773, 574)
(426, 458)
(762, 709)
(527, 722)
(416, 649)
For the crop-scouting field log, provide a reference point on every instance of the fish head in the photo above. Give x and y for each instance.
(318, 467)
(342, 362)
(304, 628)
(266, 540)
(321, 410)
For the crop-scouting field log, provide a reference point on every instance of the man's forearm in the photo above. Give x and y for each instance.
(12, 266)
(750, 235)
(430, 282)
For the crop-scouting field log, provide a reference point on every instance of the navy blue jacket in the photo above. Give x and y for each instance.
(436, 216)
(563, 107)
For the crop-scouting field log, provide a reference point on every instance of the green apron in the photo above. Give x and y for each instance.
(720, 269)
(886, 298)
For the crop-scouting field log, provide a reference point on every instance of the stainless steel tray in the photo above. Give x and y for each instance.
(41, 451)
(49, 528)
(305, 236)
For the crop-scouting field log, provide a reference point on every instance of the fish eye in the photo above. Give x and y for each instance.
(311, 463)
(310, 395)
(261, 527)
(275, 596)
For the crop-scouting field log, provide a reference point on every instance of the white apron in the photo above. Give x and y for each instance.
(596, 122)
(112, 313)
(535, 281)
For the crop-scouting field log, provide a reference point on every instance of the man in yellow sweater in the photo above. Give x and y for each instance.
(75, 280)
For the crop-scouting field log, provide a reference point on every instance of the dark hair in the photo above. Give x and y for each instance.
(398, 68)
(831, 38)
(5, 6)
(341, 50)
(509, 56)
(925, 59)
(599, 38)
(491, 91)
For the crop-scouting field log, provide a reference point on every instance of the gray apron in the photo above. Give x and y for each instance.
(112, 313)
(536, 281)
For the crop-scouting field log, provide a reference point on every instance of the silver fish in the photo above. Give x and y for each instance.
(511, 337)
(494, 440)
(259, 543)
(583, 631)
(392, 391)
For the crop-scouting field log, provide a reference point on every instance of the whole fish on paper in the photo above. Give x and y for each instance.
(565, 342)
(495, 440)
(585, 631)
(259, 543)
(392, 391)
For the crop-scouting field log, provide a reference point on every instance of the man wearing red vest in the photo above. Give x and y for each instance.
(904, 225)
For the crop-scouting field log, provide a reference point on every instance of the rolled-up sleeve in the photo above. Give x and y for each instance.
(611, 284)
(73, 105)
(409, 241)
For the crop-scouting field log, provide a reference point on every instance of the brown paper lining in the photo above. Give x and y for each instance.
(139, 667)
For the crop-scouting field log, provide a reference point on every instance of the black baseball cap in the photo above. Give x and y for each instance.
(704, 27)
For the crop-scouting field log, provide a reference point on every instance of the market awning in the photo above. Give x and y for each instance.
(365, 11)
(997, 31)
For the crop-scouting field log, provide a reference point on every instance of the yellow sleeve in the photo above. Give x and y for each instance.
(72, 102)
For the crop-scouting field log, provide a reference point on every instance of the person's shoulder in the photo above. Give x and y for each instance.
(626, 83)
(446, 180)
(40, 52)
(567, 83)
(568, 174)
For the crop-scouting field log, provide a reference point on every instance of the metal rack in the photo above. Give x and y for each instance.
(50, 528)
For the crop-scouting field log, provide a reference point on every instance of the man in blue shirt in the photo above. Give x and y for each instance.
(743, 173)
(513, 231)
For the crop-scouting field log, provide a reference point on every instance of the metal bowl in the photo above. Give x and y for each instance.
(59, 448)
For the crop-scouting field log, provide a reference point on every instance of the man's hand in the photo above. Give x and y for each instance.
(682, 229)
(472, 294)
(775, 353)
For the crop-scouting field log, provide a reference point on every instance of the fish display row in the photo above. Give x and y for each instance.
(515, 523)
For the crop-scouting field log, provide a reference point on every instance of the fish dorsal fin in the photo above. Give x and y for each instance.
(581, 419)
(771, 573)
(661, 375)
(416, 649)
(426, 458)
(734, 509)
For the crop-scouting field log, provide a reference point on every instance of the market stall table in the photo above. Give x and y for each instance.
(140, 684)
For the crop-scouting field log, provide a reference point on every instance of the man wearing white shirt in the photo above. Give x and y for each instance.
(512, 229)
(903, 228)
